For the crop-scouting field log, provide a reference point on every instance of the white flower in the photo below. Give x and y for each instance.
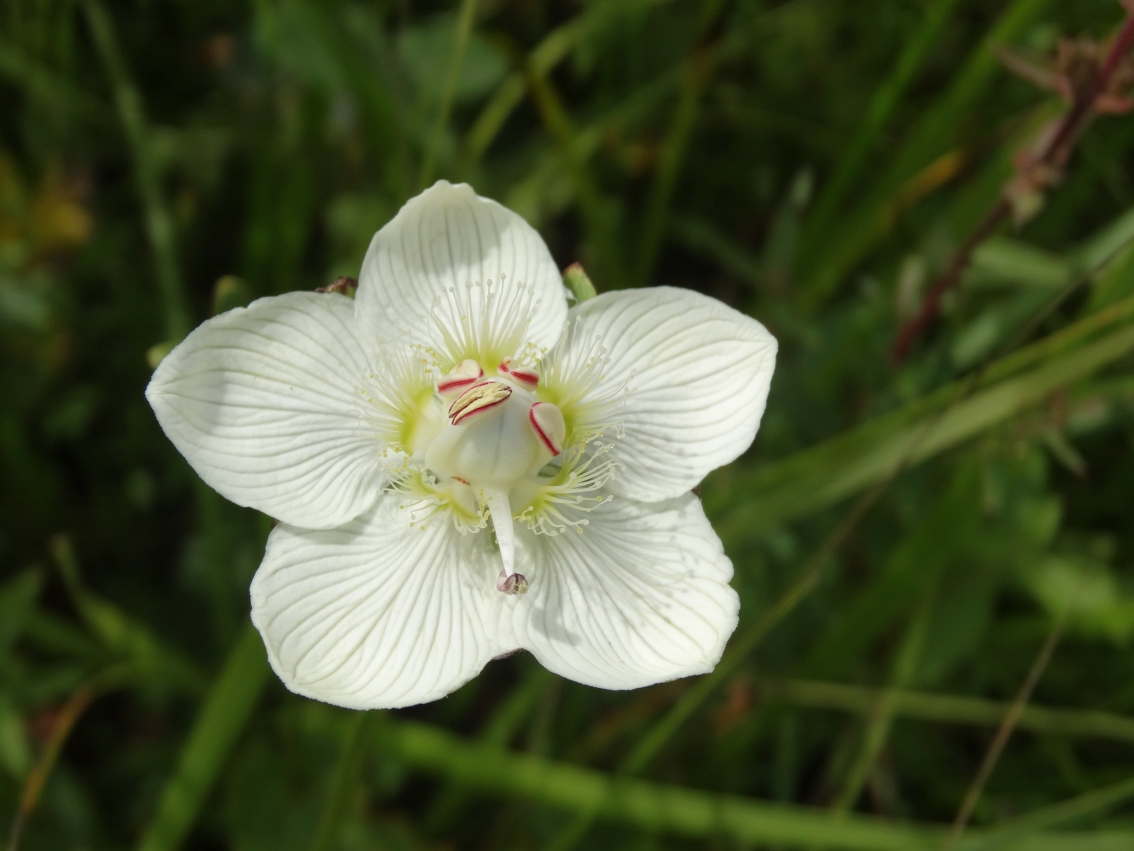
(454, 393)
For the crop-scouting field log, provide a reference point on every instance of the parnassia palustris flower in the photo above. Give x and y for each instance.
(463, 466)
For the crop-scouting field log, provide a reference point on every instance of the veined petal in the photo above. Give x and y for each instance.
(416, 277)
(381, 612)
(640, 596)
(264, 403)
(686, 376)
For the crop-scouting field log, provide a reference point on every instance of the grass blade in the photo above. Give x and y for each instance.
(465, 19)
(158, 220)
(697, 71)
(346, 773)
(844, 465)
(552, 49)
(223, 717)
(882, 714)
(951, 709)
(681, 811)
(858, 234)
(881, 108)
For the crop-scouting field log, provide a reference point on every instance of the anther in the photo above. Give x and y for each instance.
(478, 399)
(547, 422)
(461, 377)
(527, 377)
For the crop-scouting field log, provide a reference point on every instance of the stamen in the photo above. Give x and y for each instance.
(522, 375)
(573, 374)
(478, 399)
(393, 393)
(481, 320)
(547, 422)
(425, 498)
(459, 378)
(557, 506)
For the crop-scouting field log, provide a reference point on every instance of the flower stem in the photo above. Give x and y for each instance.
(1053, 156)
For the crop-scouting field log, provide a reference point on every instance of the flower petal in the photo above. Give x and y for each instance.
(379, 613)
(264, 403)
(447, 238)
(696, 375)
(640, 596)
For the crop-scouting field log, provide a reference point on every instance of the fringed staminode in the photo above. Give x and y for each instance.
(485, 321)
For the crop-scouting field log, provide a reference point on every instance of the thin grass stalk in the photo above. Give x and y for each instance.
(343, 782)
(465, 19)
(696, 74)
(102, 683)
(595, 214)
(679, 811)
(1089, 804)
(156, 216)
(556, 46)
(881, 717)
(1007, 727)
(661, 732)
(950, 709)
(829, 260)
(1054, 156)
(882, 106)
(65, 721)
(222, 719)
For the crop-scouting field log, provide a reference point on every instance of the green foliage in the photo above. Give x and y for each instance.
(905, 538)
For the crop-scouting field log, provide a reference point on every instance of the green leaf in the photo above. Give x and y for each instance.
(952, 709)
(129, 640)
(343, 782)
(18, 598)
(830, 251)
(840, 467)
(681, 811)
(223, 717)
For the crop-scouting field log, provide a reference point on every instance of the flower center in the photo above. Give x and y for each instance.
(496, 439)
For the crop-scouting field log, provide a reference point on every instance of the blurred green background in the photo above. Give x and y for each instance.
(911, 543)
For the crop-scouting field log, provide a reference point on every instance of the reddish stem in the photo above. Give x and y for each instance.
(1054, 154)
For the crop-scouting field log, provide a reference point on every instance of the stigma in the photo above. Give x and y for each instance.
(496, 439)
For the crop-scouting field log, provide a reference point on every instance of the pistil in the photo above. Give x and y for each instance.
(498, 438)
(500, 510)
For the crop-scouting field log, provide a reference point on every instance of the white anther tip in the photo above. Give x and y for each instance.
(521, 375)
(547, 422)
(461, 377)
